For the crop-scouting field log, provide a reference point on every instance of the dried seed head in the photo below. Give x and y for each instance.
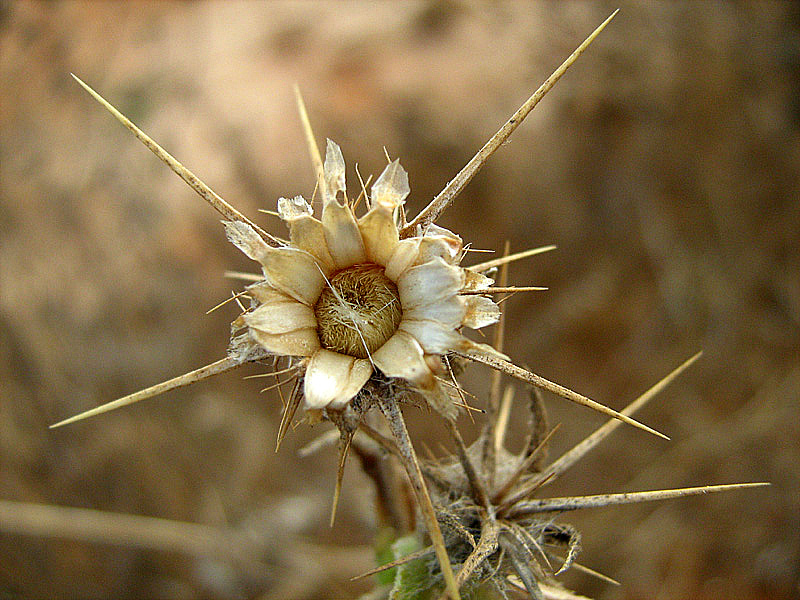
(358, 311)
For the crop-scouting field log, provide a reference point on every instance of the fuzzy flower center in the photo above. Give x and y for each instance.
(359, 311)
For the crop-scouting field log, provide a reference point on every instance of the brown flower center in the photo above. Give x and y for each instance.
(359, 311)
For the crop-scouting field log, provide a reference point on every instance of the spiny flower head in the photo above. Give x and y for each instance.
(365, 307)
(348, 296)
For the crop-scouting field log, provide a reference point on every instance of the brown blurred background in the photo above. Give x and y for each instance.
(664, 165)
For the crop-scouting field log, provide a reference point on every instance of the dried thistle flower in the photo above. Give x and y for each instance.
(298, 309)
(367, 310)
(289, 307)
(346, 296)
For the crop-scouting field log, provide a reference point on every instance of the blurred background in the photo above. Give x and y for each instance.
(665, 166)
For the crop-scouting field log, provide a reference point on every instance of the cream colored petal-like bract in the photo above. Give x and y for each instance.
(404, 255)
(307, 233)
(245, 238)
(453, 244)
(380, 234)
(434, 337)
(293, 272)
(290, 209)
(434, 230)
(449, 311)
(281, 316)
(334, 170)
(332, 379)
(263, 292)
(301, 342)
(391, 187)
(429, 282)
(481, 311)
(476, 281)
(445, 247)
(342, 235)
(402, 356)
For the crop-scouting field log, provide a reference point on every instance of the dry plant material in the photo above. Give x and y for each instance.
(368, 310)
(498, 535)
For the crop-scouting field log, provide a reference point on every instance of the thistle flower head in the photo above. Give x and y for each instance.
(365, 307)
(348, 297)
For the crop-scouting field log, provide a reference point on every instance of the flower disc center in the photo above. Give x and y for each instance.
(359, 311)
